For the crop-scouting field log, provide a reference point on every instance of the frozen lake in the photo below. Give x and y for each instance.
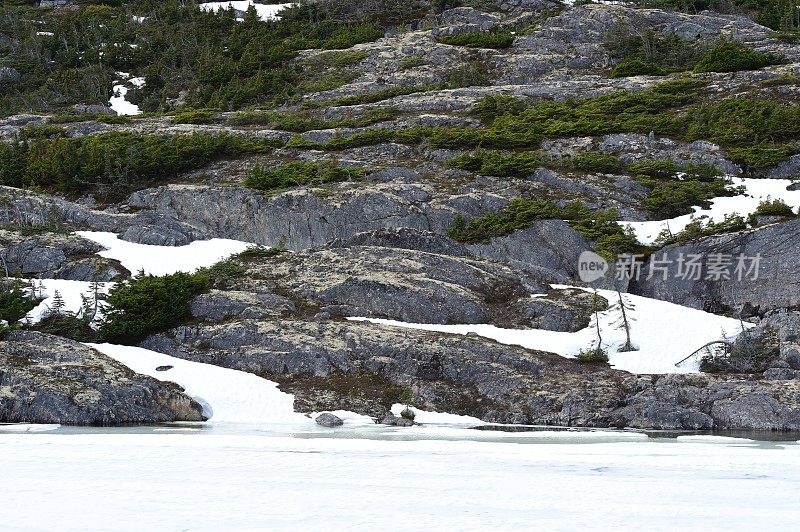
(229, 476)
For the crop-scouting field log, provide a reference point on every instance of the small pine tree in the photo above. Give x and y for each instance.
(58, 306)
(625, 307)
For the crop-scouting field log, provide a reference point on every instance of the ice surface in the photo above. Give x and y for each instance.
(26, 427)
(757, 190)
(190, 480)
(664, 333)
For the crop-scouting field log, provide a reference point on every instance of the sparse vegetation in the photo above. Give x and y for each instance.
(598, 226)
(199, 116)
(302, 122)
(113, 164)
(772, 208)
(594, 355)
(732, 56)
(148, 304)
(16, 299)
(749, 354)
(701, 228)
(299, 173)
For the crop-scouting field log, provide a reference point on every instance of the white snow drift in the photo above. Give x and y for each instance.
(165, 260)
(120, 104)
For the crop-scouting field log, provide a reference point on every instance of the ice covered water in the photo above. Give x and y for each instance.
(238, 477)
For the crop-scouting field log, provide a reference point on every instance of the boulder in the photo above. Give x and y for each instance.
(326, 419)
(394, 283)
(56, 256)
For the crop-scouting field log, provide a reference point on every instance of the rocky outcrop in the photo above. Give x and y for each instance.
(301, 218)
(776, 285)
(401, 284)
(47, 379)
(55, 256)
(703, 402)
(477, 377)
(464, 375)
(23, 208)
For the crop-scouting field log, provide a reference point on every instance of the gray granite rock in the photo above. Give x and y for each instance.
(47, 379)
(326, 419)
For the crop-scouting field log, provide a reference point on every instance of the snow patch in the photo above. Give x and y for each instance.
(119, 104)
(26, 427)
(424, 416)
(165, 260)
(70, 291)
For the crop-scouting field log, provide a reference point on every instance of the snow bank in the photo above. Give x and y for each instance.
(226, 395)
(664, 333)
(757, 190)
(351, 419)
(165, 260)
(265, 12)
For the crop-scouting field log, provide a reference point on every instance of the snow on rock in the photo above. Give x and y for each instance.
(165, 260)
(265, 12)
(756, 191)
(664, 332)
(423, 416)
(227, 395)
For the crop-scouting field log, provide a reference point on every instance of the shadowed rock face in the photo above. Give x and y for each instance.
(47, 379)
(777, 285)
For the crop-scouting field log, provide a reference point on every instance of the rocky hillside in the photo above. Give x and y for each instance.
(438, 163)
